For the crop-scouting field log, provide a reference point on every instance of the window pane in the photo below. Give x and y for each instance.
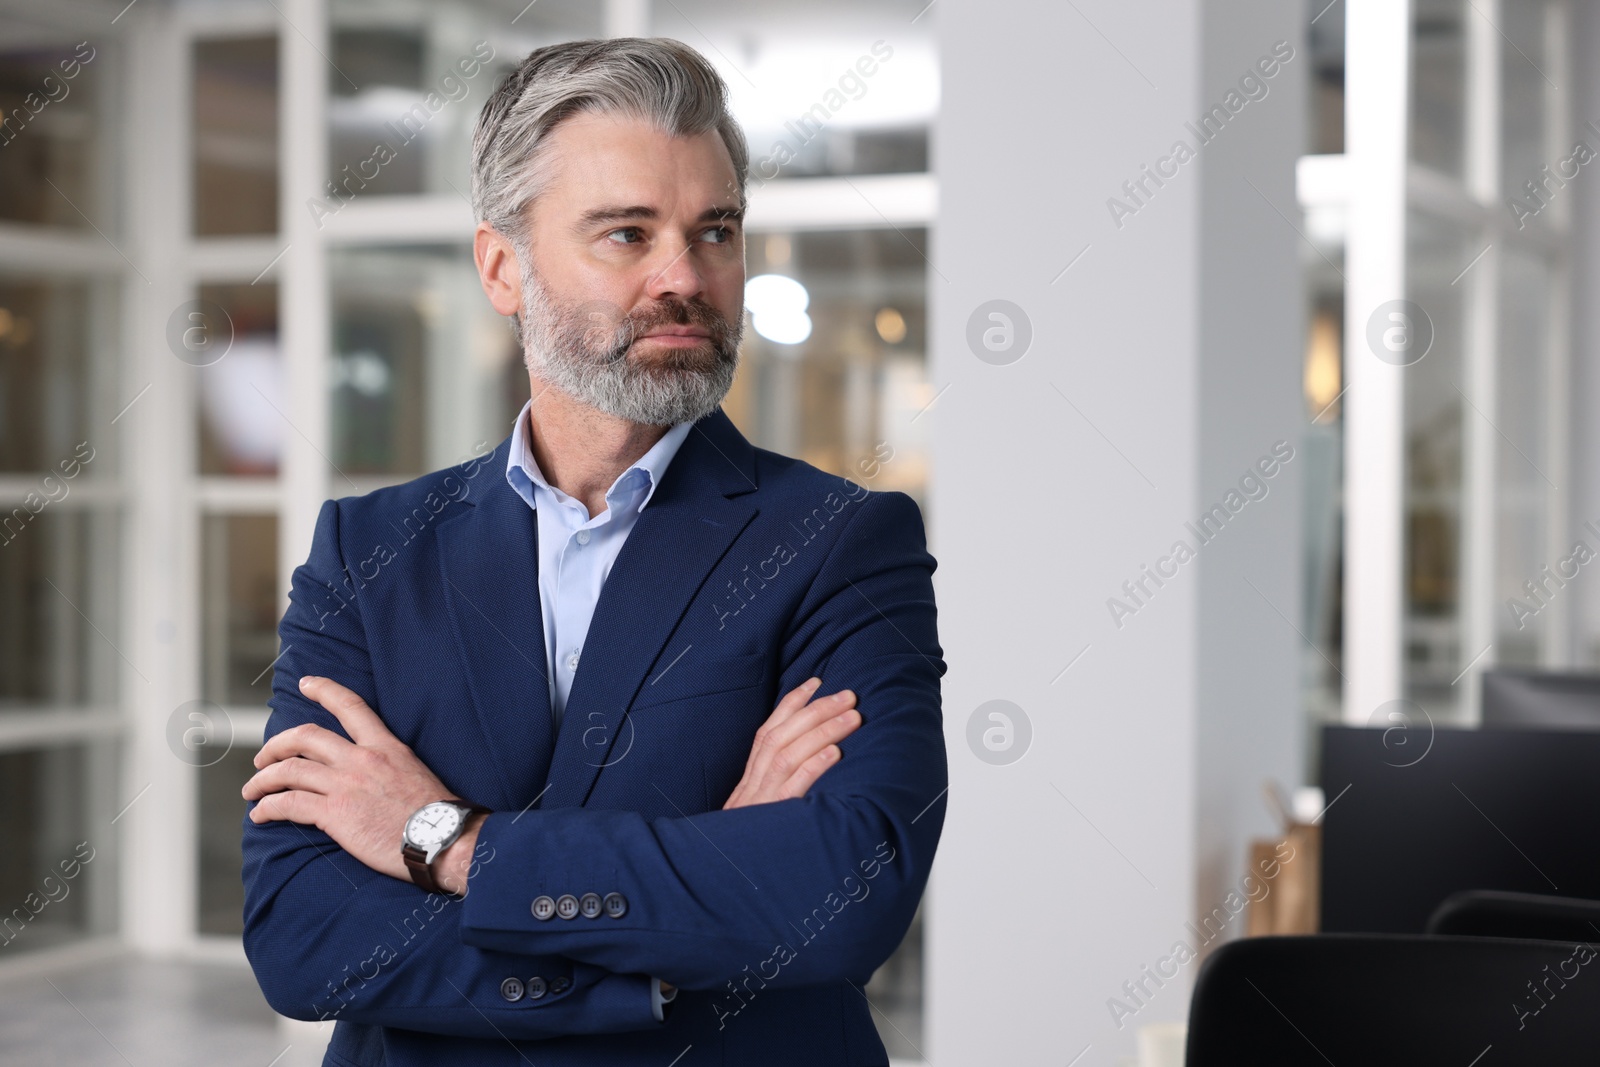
(857, 100)
(242, 406)
(846, 398)
(1524, 88)
(1523, 490)
(1326, 38)
(423, 368)
(407, 84)
(50, 128)
(854, 94)
(1322, 500)
(408, 128)
(236, 136)
(1439, 87)
(239, 584)
(46, 388)
(58, 605)
(1433, 477)
(221, 897)
(59, 872)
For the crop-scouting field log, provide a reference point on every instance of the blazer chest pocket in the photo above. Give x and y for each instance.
(701, 676)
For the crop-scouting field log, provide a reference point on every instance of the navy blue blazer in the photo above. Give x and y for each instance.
(747, 573)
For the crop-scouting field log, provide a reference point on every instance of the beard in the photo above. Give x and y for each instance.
(586, 350)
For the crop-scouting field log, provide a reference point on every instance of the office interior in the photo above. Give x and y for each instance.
(1239, 356)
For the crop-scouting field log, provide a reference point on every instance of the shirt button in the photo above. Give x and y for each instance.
(572, 662)
(511, 989)
(583, 537)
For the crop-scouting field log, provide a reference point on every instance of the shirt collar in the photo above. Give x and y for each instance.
(523, 472)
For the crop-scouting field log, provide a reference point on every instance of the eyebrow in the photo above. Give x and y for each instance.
(600, 215)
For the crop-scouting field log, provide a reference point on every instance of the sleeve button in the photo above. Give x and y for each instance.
(543, 908)
(616, 905)
(537, 987)
(589, 904)
(567, 906)
(511, 989)
(560, 984)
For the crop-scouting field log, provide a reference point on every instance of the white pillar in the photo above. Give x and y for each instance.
(1481, 443)
(1377, 39)
(304, 477)
(1164, 359)
(158, 831)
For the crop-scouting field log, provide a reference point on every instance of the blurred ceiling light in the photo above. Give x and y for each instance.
(1324, 373)
(891, 325)
(777, 306)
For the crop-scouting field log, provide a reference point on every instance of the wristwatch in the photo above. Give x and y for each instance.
(431, 829)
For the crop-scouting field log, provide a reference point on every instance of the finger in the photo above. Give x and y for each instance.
(308, 740)
(358, 720)
(793, 700)
(289, 774)
(792, 718)
(794, 756)
(805, 776)
(293, 806)
(775, 736)
(806, 719)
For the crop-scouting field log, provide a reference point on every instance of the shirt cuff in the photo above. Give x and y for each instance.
(658, 998)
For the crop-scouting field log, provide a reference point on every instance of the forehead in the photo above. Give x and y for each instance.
(597, 157)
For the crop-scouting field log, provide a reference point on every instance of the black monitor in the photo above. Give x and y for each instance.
(1446, 810)
(1551, 700)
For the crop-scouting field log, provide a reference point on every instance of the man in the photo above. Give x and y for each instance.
(467, 850)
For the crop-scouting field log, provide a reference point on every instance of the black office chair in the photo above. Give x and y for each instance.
(1378, 1000)
(1491, 913)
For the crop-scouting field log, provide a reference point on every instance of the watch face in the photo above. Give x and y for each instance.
(433, 825)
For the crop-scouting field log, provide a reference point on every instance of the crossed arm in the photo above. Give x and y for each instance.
(360, 786)
(325, 881)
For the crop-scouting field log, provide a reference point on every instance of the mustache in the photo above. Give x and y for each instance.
(620, 330)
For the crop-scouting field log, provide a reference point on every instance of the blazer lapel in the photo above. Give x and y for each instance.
(489, 558)
(690, 522)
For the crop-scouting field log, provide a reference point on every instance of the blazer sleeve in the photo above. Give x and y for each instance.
(803, 891)
(329, 938)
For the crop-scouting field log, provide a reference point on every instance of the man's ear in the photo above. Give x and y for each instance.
(498, 269)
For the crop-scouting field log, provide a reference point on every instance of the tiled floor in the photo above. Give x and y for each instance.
(122, 1010)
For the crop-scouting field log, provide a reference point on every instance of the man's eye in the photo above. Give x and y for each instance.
(626, 229)
(725, 231)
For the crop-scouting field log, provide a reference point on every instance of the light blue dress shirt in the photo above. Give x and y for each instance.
(576, 551)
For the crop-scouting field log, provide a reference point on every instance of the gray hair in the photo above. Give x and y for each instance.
(657, 79)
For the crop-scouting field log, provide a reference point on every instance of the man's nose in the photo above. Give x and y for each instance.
(674, 273)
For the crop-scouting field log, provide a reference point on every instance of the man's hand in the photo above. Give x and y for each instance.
(796, 745)
(358, 792)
